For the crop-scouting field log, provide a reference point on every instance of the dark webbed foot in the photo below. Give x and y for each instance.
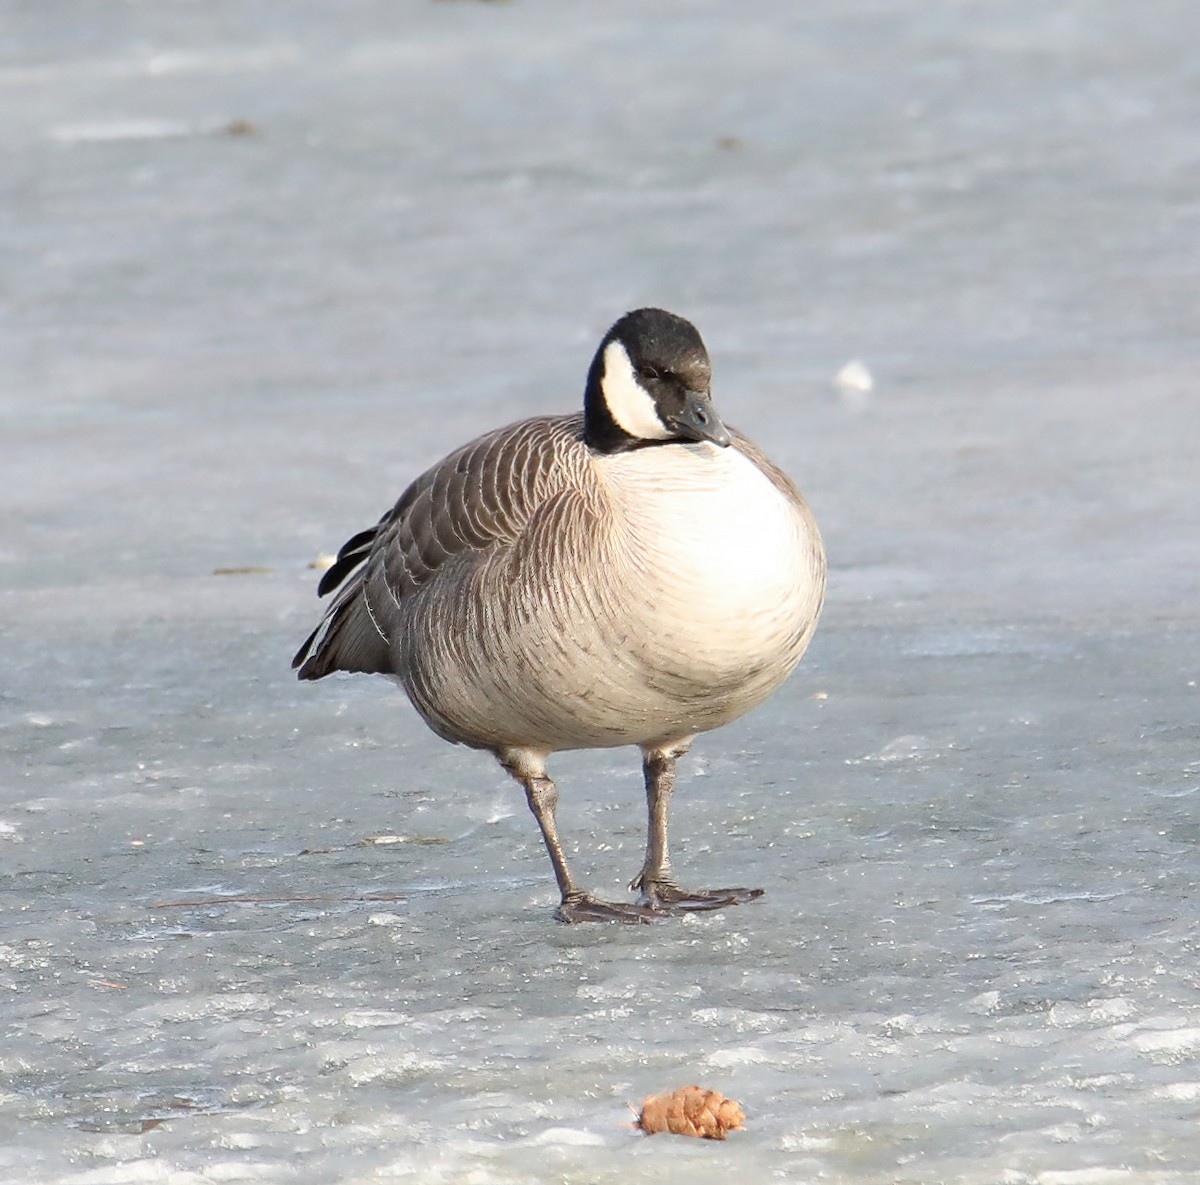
(667, 896)
(659, 896)
(658, 891)
(583, 907)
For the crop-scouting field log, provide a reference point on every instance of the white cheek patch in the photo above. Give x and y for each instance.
(628, 402)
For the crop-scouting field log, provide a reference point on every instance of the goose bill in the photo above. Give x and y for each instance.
(697, 420)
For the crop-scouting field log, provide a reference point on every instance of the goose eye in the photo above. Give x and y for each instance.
(648, 372)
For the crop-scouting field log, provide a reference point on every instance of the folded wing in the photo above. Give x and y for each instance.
(479, 499)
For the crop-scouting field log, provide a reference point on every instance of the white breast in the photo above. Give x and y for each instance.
(723, 561)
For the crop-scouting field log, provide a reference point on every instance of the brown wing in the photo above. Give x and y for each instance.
(479, 498)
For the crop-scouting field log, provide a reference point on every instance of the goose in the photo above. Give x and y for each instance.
(636, 574)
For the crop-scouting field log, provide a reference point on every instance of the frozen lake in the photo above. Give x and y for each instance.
(261, 263)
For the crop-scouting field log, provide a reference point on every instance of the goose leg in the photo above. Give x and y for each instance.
(542, 794)
(656, 883)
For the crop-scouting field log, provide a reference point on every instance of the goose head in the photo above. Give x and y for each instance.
(650, 384)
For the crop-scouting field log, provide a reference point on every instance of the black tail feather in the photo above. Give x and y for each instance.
(348, 639)
(301, 655)
(353, 552)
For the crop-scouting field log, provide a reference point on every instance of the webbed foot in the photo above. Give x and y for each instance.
(667, 896)
(582, 907)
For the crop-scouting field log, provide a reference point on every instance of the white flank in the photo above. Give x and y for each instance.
(629, 403)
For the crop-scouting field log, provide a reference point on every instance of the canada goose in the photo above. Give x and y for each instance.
(634, 575)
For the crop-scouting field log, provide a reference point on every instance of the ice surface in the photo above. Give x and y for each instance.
(262, 262)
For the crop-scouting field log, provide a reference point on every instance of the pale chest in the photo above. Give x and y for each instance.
(722, 557)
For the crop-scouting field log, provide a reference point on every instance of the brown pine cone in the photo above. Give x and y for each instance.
(691, 1111)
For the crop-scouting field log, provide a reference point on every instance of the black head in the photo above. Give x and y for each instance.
(650, 383)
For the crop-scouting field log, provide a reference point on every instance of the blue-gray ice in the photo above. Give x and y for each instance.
(263, 262)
